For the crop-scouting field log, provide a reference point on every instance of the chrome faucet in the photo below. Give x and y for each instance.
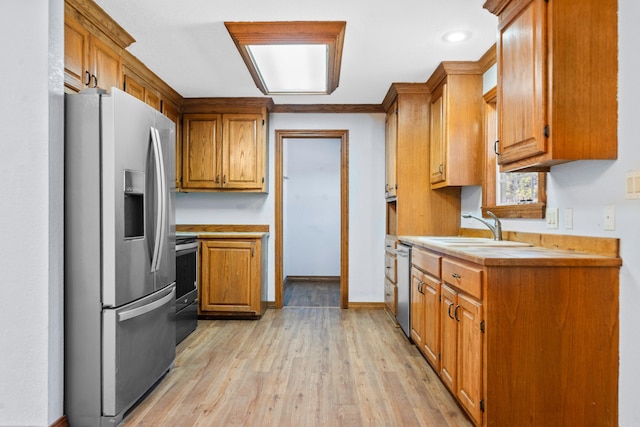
(496, 228)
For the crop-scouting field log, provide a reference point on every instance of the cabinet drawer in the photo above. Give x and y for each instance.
(428, 262)
(390, 245)
(463, 276)
(391, 296)
(390, 267)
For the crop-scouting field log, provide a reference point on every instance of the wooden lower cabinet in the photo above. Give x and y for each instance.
(462, 345)
(417, 308)
(391, 296)
(518, 344)
(391, 277)
(233, 277)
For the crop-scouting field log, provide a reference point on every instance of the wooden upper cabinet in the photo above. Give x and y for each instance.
(76, 55)
(89, 61)
(224, 150)
(456, 125)
(105, 65)
(142, 90)
(557, 82)
(243, 150)
(391, 144)
(201, 151)
(133, 87)
(173, 113)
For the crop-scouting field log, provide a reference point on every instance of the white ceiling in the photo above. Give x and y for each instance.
(187, 45)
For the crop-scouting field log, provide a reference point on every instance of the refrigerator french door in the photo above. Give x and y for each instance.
(119, 253)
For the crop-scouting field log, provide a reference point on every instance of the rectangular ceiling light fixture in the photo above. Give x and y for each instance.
(297, 57)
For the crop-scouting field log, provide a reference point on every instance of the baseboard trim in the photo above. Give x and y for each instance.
(367, 305)
(61, 422)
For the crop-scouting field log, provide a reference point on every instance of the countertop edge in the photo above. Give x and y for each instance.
(531, 256)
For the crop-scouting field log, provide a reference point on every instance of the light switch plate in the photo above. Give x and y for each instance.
(609, 217)
(568, 218)
(552, 217)
(632, 185)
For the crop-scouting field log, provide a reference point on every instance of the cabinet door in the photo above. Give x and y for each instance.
(522, 84)
(417, 308)
(468, 314)
(243, 151)
(76, 55)
(431, 336)
(391, 147)
(201, 151)
(152, 98)
(173, 114)
(438, 135)
(229, 271)
(106, 66)
(391, 296)
(133, 88)
(390, 262)
(449, 344)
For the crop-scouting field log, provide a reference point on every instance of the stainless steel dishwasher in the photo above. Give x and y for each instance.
(403, 256)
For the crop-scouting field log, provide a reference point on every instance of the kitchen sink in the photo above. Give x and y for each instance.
(472, 241)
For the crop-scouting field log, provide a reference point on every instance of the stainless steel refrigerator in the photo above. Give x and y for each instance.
(119, 254)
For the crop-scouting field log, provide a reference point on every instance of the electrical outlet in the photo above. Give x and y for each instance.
(568, 218)
(552, 217)
(609, 217)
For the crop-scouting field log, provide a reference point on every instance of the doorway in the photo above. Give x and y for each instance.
(281, 136)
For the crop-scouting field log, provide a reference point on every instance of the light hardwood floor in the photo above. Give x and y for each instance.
(299, 367)
(309, 293)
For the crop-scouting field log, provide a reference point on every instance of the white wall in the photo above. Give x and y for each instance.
(311, 212)
(587, 187)
(366, 199)
(31, 215)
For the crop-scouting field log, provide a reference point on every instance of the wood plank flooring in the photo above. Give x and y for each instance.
(307, 293)
(299, 367)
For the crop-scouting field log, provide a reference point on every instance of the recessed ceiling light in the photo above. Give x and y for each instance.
(456, 36)
(296, 57)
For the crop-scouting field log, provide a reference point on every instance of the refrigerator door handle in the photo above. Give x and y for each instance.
(155, 260)
(139, 311)
(163, 198)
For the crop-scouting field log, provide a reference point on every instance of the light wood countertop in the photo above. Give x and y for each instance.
(514, 255)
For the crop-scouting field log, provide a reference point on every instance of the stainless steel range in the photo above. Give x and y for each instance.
(186, 286)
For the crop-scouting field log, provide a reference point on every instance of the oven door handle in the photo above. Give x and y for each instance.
(186, 246)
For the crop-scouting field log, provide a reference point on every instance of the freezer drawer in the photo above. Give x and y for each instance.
(138, 348)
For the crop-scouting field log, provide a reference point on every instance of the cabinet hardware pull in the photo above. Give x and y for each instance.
(456, 275)
(449, 311)
(95, 81)
(88, 74)
(545, 131)
(420, 288)
(217, 179)
(441, 168)
(455, 313)
(224, 179)
(495, 147)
